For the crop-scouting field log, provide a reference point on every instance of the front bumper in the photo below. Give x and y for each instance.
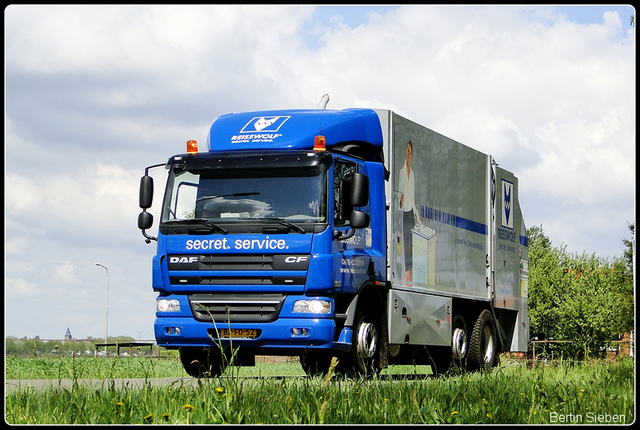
(282, 334)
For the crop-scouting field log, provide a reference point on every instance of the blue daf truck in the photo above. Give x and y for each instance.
(356, 234)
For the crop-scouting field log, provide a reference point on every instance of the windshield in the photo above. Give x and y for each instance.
(297, 195)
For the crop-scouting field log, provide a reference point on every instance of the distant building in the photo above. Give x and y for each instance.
(67, 336)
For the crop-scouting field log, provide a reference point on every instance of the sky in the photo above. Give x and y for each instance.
(94, 94)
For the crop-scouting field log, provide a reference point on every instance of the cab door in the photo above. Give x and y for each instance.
(352, 263)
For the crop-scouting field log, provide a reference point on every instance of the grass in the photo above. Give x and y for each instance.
(144, 367)
(91, 367)
(508, 394)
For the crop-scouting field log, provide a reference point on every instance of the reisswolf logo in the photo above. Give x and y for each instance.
(507, 213)
(264, 124)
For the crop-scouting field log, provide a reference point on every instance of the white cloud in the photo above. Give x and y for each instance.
(97, 199)
(21, 196)
(500, 136)
(64, 273)
(18, 287)
(17, 246)
(612, 22)
(96, 93)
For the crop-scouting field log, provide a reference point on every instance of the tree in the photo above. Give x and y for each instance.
(545, 298)
(581, 298)
(629, 248)
(624, 269)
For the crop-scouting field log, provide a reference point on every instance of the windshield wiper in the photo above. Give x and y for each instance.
(283, 222)
(207, 226)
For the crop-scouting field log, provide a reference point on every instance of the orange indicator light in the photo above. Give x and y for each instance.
(319, 143)
(192, 146)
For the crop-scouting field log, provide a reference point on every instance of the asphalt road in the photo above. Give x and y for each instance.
(12, 384)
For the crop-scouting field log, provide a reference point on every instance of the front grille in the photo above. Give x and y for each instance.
(267, 270)
(233, 308)
(232, 262)
(243, 262)
(237, 280)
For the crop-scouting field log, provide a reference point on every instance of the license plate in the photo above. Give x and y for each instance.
(238, 333)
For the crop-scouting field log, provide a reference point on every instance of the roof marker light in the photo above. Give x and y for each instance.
(319, 143)
(192, 146)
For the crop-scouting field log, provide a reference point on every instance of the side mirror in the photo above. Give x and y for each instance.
(359, 189)
(359, 219)
(146, 191)
(145, 220)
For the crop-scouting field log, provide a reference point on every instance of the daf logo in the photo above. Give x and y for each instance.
(187, 260)
(295, 259)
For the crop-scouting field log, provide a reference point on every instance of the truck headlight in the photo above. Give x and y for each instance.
(312, 306)
(167, 305)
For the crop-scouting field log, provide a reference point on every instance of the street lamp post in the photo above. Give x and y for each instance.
(106, 311)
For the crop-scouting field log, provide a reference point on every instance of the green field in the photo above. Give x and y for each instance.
(595, 392)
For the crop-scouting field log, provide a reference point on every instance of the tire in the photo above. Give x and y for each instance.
(446, 359)
(441, 359)
(459, 342)
(316, 362)
(364, 357)
(483, 343)
(201, 362)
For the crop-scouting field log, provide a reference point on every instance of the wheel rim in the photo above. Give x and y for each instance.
(488, 344)
(367, 340)
(459, 344)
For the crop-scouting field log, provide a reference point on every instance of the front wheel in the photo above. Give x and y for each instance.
(364, 357)
(201, 362)
(316, 362)
(483, 344)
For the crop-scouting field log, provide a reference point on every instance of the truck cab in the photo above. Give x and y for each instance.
(266, 240)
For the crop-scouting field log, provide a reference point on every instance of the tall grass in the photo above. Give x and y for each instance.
(507, 394)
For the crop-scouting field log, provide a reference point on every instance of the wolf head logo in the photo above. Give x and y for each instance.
(263, 123)
(507, 192)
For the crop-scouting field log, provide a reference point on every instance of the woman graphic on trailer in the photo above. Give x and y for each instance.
(409, 211)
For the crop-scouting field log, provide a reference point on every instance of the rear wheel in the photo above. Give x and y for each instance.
(459, 342)
(452, 358)
(483, 344)
(201, 362)
(440, 359)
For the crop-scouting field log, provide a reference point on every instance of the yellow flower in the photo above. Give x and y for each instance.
(119, 404)
(454, 413)
(188, 407)
(148, 417)
(220, 389)
(166, 416)
(490, 416)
